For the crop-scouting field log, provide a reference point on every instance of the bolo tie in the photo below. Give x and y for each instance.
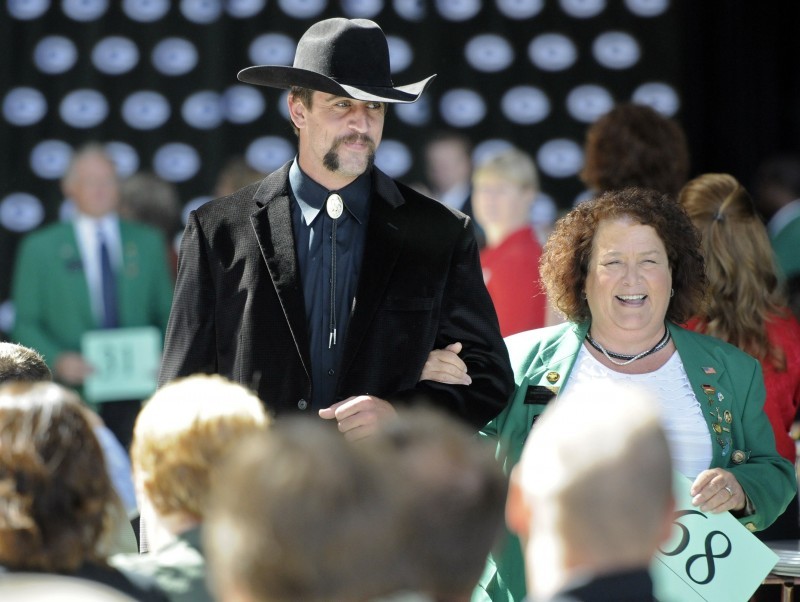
(334, 206)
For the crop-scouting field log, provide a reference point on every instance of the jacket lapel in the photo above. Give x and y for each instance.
(272, 224)
(705, 375)
(386, 231)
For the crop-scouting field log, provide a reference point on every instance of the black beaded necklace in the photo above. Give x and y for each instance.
(613, 357)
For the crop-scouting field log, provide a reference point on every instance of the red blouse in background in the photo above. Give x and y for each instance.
(783, 388)
(511, 274)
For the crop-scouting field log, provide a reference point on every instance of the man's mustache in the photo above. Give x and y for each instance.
(354, 138)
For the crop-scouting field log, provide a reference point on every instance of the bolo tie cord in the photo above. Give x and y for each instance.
(332, 333)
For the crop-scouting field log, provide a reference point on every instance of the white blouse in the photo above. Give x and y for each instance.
(681, 413)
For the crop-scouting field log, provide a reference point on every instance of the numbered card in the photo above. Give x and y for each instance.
(125, 362)
(709, 556)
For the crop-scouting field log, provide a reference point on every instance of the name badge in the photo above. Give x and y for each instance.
(540, 394)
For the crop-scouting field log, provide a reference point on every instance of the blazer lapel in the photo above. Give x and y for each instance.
(705, 375)
(72, 262)
(272, 224)
(383, 244)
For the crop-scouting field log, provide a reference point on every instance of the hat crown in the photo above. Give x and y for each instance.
(350, 51)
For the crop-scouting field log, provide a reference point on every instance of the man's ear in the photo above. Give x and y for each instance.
(518, 512)
(297, 111)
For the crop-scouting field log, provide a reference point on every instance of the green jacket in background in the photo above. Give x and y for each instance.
(544, 358)
(51, 296)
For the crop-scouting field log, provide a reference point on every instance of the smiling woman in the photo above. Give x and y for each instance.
(626, 269)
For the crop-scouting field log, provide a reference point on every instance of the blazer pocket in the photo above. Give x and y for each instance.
(407, 304)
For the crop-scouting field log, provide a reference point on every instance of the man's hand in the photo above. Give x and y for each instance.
(444, 366)
(359, 416)
(71, 368)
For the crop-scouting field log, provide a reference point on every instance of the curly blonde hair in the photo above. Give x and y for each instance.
(565, 258)
(740, 266)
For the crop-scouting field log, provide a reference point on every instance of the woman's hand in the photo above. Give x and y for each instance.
(717, 490)
(444, 366)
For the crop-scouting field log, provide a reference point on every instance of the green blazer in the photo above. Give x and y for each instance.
(51, 296)
(786, 244)
(743, 441)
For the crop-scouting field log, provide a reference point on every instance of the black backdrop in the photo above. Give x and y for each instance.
(510, 71)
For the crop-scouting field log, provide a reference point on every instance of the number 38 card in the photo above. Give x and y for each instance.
(709, 556)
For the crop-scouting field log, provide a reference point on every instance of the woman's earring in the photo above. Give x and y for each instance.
(671, 292)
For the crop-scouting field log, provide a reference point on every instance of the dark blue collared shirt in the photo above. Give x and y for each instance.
(312, 227)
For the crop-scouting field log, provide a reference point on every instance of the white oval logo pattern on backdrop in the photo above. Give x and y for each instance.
(176, 162)
(55, 54)
(115, 55)
(125, 158)
(203, 110)
(84, 108)
(552, 52)
(201, 12)
(242, 9)
(587, 103)
(49, 159)
(489, 53)
(361, 9)
(145, 110)
(400, 54)
(525, 105)
(410, 10)
(146, 11)
(560, 158)
(174, 56)
(243, 104)
(462, 108)
(458, 10)
(583, 9)
(647, 8)
(24, 106)
(520, 9)
(84, 10)
(662, 97)
(616, 50)
(21, 212)
(302, 9)
(26, 10)
(272, 49)
(268, 153)
(394, 158)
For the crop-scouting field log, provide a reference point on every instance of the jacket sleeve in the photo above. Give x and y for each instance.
(468, 316)
(767, 478)
(190, 345)
(29, 292)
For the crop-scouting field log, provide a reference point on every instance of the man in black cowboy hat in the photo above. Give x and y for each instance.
(327, 286)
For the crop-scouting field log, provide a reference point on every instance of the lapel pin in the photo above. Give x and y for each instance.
(709, 370)
(728, 416)
(552, 377)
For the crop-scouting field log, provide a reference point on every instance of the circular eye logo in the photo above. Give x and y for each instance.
(21, 212)
(458, 10)
(393, 158)
(115, 55)
(525, 105)
(50, 158)
(54, 54)
(174, 56)
(560, 158)
(647, 8)
(272, 49)
(176, 162)
(489, 53)
(84, 108)
(400, 54)
(302, 9)
(361, 9)
(241, 9)
(25, 10)
(268, 153)
(145, 11)
(125, 158)
(587, 103)
(203, 110)
(24, 106)
(84, 10)
(616, 50)
(544, 210)
(520, 9)
(662, 97)
(243, 104)
(201, 11)
(462, 107)
(410, 10)
(552, 52)
(145, 110)
(414, 113)
(583, 9)
(488, 149)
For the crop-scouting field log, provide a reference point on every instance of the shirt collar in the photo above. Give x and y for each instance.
(311, 196)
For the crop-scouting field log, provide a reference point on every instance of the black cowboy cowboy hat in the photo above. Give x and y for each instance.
(346, 57)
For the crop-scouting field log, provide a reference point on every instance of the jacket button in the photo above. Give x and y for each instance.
(302, 404)
(751, 527)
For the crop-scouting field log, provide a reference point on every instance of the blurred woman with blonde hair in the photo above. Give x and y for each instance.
(745, 304)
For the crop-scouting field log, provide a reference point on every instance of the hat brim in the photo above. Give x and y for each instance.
(280, 76)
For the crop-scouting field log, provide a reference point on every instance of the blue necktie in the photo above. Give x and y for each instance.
(107, 284)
